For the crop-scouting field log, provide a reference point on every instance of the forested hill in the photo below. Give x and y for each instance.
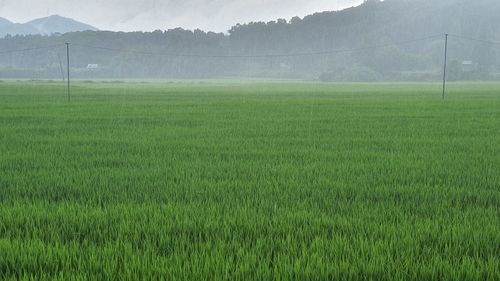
(372, 24)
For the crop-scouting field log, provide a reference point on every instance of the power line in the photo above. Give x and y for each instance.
(301, 54)
(475, 39)
(266, 55)
(30, 49)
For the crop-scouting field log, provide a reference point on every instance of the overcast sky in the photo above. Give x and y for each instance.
(147, 15)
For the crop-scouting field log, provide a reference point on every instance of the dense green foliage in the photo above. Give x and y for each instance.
(371, 24)
(249, 181)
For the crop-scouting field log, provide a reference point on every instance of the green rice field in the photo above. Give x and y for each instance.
(249, 181)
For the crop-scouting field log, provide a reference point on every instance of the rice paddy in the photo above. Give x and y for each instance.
(249, 181)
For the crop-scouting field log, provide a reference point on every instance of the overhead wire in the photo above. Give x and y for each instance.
(301, 54)
(474, 39)
(30, 49)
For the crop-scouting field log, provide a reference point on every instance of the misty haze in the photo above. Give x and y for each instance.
(376, 41)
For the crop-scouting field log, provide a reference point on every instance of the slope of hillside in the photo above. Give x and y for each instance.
(58, 24)
(17, 29)
(44, 26)
(4, 22)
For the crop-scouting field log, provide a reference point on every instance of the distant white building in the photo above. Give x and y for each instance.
(92, 66)
(468, 66)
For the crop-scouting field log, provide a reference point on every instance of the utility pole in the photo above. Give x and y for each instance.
(445, 62)
(69, 83)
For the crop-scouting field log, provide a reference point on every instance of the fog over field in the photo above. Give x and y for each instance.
(392, 40)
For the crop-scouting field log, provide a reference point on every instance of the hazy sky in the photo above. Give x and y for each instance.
(129, 15)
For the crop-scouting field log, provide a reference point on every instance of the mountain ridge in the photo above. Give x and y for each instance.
(4, 21)
(44, 26)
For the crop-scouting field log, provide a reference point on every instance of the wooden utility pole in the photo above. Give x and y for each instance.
(69, 83)
(445, 62)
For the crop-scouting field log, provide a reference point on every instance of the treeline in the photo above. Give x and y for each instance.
(364, 42)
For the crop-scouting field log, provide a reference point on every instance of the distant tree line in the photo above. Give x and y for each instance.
(180, 53)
